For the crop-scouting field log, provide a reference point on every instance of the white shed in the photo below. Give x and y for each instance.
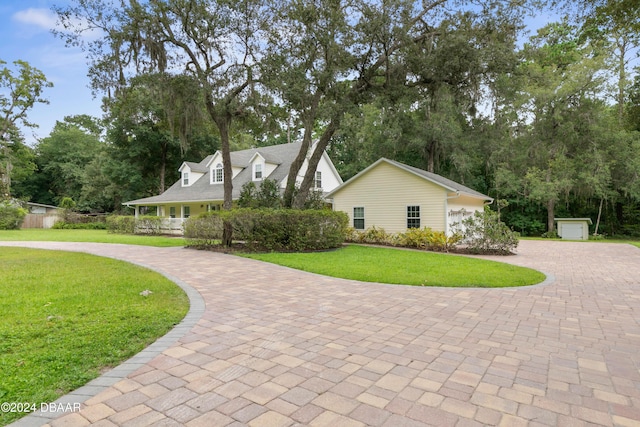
(573, 228)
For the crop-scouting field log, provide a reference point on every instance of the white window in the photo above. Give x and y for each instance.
(317, 183)
(185, 179)
(172, 212)
(358, 218)
(413, 216)
(187, 212)
(218, 173)
(257, 172)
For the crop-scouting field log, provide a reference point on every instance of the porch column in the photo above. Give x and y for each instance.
(137, 211)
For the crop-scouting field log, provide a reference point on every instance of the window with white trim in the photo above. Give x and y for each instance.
(185, 179)
(317, 183)
(187, 212)
(257, 172)
(218, 174)
(358, 218)
(172, 212)
(413, 216)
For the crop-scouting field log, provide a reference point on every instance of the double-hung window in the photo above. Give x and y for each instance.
(413, 216)
(358, 218)
(317, 183)
(172, 212)
(187, 212)
(185, 179)
(219, 173)
(257, 174)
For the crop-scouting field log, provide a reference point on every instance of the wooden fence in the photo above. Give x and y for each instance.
(39, 220)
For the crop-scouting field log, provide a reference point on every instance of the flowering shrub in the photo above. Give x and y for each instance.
(485, 233)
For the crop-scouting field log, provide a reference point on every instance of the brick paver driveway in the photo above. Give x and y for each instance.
(278, 347)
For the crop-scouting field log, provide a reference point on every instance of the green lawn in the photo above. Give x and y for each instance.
(66, 317)
(99, 236)
(396, 266)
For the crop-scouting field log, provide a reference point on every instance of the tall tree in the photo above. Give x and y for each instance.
(558, 113)
(20, 90)
(216, 43)
(63, 156)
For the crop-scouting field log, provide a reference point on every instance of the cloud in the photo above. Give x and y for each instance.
(43, 18)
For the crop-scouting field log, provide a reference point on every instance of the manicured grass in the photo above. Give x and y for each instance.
(396, 266)
(67, 317)
(98, 236)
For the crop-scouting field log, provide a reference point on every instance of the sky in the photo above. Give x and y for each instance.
(25, 34)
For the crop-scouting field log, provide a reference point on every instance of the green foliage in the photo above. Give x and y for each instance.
(149, 224)
(127, 224)
(121, 224)
(485, 233)
(271, 229)
(204, 230)
(265, 196)
(11, 215)
(67, 203)
(420, 238)
(63, 225)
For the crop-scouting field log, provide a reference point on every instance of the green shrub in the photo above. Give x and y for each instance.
(80, 225)
(148, 224)
(426, 238)
(485, 233)
(11, 215)
(271, 229)
(203, 230)
(121, 224)
(373, 235)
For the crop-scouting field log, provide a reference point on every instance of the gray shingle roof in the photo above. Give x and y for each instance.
(202, 191)
(435, 178)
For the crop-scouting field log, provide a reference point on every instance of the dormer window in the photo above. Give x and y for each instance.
(257, 172)
(218, 173)
(185, 179)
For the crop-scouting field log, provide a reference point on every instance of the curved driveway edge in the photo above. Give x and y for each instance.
(282, 347)
(108, 379)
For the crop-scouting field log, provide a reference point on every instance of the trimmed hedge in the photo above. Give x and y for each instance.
(271, 229)
(80, 225)
(125, 224)
(121, 224)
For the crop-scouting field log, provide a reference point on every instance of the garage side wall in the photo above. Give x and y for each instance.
(385, 192)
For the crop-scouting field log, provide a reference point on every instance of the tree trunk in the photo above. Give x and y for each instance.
(595, 232)
(309, 176)
(163, 168)
(294, 169)
(551, 204)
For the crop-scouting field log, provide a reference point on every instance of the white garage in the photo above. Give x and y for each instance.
(573, 228)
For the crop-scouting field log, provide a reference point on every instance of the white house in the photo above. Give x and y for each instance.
(200, 187)
(395, 196)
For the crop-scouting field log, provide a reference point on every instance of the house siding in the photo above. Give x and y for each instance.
(455, 206)
(385, 192)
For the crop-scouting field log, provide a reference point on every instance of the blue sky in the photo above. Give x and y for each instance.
(25, 34)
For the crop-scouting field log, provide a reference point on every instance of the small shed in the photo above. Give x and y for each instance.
(573, 228)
